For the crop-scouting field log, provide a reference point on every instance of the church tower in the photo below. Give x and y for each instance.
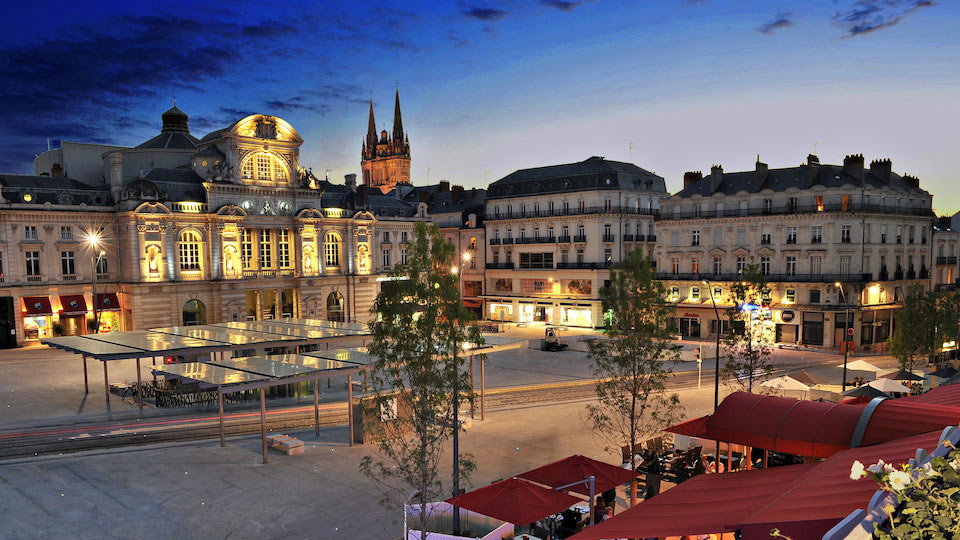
(385, 158)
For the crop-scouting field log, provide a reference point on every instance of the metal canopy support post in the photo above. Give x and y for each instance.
(472, 390)
(223, 439)
(350, 406)
(86, 385)
(139, 388)
(263, 423)
(316, 406)
(483, 387)
(106, 381)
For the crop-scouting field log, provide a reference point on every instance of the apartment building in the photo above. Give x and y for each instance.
(840, 246)
(553, 232)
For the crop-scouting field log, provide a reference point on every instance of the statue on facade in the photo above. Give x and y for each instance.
(266, 128)
(220, 172)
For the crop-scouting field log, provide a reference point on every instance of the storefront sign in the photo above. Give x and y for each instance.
(691, 315)
(786, 316)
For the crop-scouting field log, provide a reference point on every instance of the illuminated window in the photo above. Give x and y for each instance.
(331, 249)
(283, 248)
(266, 249)
(264, 167)
(189, 251)
(246, 247)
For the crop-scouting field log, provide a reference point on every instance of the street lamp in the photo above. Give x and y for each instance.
(93, 240)
(716, 370)
(846, 343)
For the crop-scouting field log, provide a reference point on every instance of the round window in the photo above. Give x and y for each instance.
(607, 181)
(27, 197)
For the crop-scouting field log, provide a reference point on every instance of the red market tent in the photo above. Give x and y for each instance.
(894, 419)
(515, 501)
(805, 428)
(803, 501)
(941, 395)
(577, 468)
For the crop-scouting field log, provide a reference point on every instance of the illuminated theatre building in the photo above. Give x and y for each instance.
(180, 230)
(840, 246)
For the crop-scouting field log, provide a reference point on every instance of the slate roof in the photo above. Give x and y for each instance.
(590, 174)
(53, 189)
(178, 184)
(828, 176)
(338, 196)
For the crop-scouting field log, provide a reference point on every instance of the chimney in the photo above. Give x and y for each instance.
(716, 176)
(56, 170)
(444, 186)
(351, 181)
(364, 194)
(424, 196)
(912, 180)
(881, 168)
(115, 168)
(691, 177)
(457, 194)
(760, 174)
(944, 222)
(813, 169)
(853, 166)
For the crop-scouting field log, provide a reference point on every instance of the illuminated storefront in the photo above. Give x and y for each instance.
(540, 312)
(37, 318)
(576, 315)
(73, 314)
(108, 310)
(501, 312)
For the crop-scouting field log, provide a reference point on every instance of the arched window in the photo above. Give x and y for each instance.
(264, 167)
(335, 307)
(194, 313)
(331, 249)
(189, 251)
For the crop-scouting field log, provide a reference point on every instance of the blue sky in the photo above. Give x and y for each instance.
(490, 87)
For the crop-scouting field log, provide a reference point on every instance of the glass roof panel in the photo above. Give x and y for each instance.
(155, 341)
(358, 355)
(264, 366)
(314, 363)
(208, 373)
(84, 345)
(233, 336)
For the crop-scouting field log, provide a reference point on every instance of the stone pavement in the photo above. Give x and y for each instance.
(199, 490)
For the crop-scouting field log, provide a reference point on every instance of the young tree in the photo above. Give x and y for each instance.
(632, 365)
(926, 321)
(419, 328)
(748, 342)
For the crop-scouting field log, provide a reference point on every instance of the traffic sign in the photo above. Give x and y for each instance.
(850, 331)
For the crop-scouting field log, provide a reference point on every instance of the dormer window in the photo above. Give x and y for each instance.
(264, 167)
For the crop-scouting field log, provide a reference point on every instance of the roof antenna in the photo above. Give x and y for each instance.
(174, 96)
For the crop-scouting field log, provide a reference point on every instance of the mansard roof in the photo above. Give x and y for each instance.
(53, 189)
(589, 174)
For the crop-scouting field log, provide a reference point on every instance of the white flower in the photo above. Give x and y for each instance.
(955, 464)
(881, 468)
(898, 480)
(856, 471)
(926, 471)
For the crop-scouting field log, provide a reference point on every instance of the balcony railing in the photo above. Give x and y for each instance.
(795, 209)
(494, 241)
(628, 238)
(537, 240)
(508, 241)
(583, 265)
(500, 266)
(559, 212)
(580, 238)
(608, 238)
(788, 278)
(946, 260)
(650, 238)
(565, 239)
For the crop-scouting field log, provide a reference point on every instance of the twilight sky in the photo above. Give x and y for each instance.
(492, 86)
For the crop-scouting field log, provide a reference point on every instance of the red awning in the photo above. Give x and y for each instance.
(515, 501)
(73, 304)
(708, 503)
(35, 306)
(894, 419)
(805, 428)
(941, 395)
(575, 468)
(803, 501)
(107, 302)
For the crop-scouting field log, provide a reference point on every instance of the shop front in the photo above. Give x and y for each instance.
(73, 314)
(576, 315)
(37, 318)
(787, 329)
(108, 310)
(812, 328)
(500, 311)
(536, 312)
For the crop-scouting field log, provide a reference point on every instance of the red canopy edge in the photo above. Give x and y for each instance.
(941, 395)
(692, 428)
(515, 501)
(576, 468)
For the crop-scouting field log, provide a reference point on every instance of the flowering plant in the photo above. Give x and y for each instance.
(928, 495)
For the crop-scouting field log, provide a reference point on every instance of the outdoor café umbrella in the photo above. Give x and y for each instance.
(578, 468)
(515, 501)
(861, 365)
(902, 375)
(785, 382)
(865, 391)
(943, 373)
(888, 385)
(808, 379)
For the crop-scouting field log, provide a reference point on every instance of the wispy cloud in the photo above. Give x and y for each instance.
(783, 19)
(866, 16)
(562, 5)
(484, 13)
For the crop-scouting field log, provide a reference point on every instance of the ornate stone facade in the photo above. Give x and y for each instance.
(386, 159)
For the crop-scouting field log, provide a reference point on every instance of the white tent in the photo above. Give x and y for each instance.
(860, 365)
(785, 383)
(888, 386)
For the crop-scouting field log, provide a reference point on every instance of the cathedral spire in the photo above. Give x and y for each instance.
(371, 128)
(397, 120)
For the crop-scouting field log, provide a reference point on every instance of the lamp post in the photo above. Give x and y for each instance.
(846, 343)
(456, 409)
(93, 241)
(716, 369)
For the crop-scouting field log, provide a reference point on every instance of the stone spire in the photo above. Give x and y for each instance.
(397, 120)
(371, 128)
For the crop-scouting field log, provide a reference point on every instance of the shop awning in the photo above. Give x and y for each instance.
(577, 468)
(472, 302)
(73, 304)
(515, 501)
(36, 306)
(805, 428)
(107, 302)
